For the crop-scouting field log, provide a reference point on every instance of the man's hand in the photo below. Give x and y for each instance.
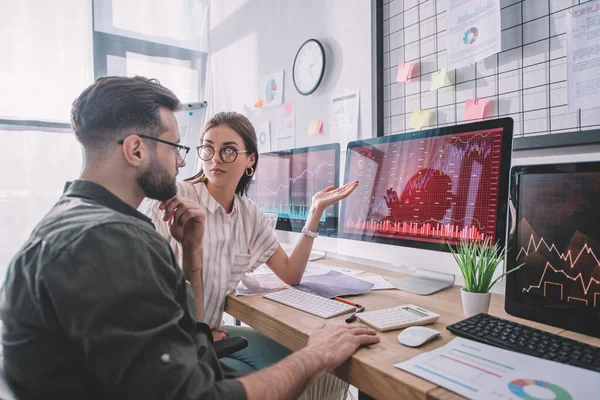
(186, 221)
(218, 334)
(336, 343)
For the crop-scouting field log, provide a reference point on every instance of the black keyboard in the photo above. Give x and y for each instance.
(522, 339)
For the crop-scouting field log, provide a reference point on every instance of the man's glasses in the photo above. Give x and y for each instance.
(228, 154)
(180, 150)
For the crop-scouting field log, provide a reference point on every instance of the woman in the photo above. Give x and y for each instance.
(238, 238)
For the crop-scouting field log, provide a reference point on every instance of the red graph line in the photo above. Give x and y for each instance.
(471, 365)
(443, 150)
(568, 256)
(579, 277)
(294, 179)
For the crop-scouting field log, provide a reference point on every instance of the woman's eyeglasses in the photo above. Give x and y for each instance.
(180, 150)
(227, 154)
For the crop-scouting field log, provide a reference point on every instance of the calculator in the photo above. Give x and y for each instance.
(397, 317)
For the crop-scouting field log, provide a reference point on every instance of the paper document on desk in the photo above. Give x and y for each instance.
(380, 282)
(479, 371)
(313, 268)
(333, 284)
(258, 284)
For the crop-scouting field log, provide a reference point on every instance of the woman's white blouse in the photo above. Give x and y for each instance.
(234, 244)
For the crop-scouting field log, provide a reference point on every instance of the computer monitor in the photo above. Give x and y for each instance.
(190, 120)
(557, 237)
(430, 188)
(285, 181)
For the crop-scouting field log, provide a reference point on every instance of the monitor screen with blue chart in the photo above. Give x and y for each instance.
(285, 181)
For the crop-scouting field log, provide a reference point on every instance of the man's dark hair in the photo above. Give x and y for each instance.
(114, 105)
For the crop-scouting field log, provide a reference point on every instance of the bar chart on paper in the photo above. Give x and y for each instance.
(478, 371)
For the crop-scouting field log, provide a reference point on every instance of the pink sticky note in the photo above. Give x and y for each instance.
(288, 108)
(406, 71)
(475, 108)
(314, 127)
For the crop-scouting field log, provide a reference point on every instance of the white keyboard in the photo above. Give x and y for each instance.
(397, 317)
(310, 303)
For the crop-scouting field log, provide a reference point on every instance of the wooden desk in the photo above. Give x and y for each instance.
(372, 369)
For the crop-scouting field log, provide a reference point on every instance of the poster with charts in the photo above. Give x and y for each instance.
(481, 372)
(344, 118)
(284, 132)
(474, 31)
(271, 89)
(583, 55)
(263, 134)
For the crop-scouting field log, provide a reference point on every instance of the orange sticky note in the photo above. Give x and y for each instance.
(419, 118)
(259, 103)
(406, 71)
(475, 108)
(288, 108)
(315, 127)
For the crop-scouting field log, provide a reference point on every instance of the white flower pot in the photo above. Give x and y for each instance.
(475, 303)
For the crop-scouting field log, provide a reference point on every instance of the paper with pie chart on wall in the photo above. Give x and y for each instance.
(271, 89)
(264, 137)
(478, 371)
(474, 31)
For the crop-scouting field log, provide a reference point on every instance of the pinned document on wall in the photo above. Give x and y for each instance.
(315, 127)
(344, 117)
(475, 109)
(419, 119)
(407, 71)
(474, 31)
(583, 55)
(440, 79)
(264, 137)
(271, 89)
(286, 130)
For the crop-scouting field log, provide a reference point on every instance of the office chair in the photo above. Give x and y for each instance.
(228, 346)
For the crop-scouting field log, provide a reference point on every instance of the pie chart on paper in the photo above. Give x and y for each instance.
(270, 90)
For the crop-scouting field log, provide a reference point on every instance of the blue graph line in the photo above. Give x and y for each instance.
(448, 379)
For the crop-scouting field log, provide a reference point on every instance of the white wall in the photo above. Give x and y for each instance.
(254, 37)
(251, 38)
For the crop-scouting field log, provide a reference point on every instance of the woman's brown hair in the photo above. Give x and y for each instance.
(244, 128)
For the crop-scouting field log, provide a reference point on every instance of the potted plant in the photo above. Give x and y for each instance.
(478, 262)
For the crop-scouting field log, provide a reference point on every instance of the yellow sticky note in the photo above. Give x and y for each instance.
(439, 79)
(314, 127)
(419, 118)
(259, 103)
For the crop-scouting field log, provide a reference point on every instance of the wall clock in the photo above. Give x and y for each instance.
(309, 67)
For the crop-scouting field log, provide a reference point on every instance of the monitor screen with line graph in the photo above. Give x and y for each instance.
(557, 239)
(430, 188)
(285, 182)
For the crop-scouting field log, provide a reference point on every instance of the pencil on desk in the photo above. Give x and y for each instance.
(347, 302)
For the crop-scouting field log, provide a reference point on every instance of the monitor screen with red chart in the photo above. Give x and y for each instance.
(430, 188)
(285, 182)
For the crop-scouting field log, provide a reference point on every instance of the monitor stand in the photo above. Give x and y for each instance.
(424, 282)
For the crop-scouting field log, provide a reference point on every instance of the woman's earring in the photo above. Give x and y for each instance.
(249, 171)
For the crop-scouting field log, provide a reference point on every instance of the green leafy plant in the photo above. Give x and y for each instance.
(477, 262)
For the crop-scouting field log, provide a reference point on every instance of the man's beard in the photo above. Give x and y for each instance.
(157, 183)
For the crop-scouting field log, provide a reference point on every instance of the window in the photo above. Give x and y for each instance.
(162, 39)
(46, 57)
(33, 170)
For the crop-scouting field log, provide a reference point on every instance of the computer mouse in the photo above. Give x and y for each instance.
(415, 336)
